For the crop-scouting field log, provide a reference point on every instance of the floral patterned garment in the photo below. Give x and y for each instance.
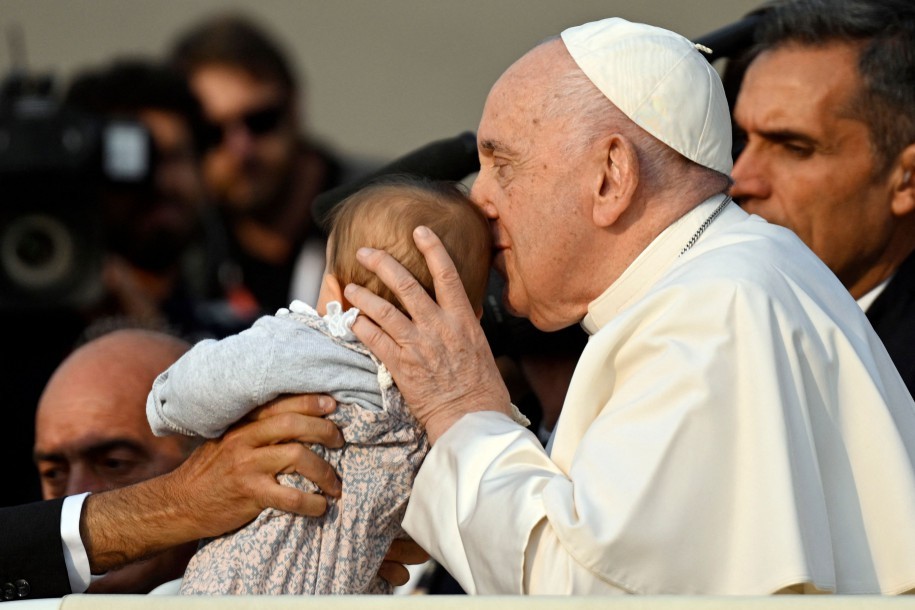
(281, 553)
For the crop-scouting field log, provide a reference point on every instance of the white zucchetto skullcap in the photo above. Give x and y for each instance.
(660, 81)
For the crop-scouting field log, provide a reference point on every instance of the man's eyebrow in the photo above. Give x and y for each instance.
(43, 456)
(494, 146)
(93, 450)
(114, 444)
(787, 135)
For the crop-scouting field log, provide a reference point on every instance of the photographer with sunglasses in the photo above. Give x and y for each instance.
(260, 170)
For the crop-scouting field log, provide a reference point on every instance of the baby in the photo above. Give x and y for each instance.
(301, 350)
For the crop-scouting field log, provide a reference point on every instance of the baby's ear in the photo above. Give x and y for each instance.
(333, 287)
(331, 290)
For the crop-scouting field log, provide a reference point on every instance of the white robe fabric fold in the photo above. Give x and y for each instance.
(734, 426)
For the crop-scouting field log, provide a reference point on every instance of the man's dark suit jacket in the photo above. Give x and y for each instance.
(893, 317)
(31, 552)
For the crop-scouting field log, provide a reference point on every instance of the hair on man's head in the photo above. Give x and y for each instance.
(126, 87)
(884, 32)
(234, 40)
(384, 214)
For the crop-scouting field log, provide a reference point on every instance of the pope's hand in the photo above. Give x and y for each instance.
(440, 358)
(403, 552)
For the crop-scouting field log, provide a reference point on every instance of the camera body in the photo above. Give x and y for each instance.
(54, 163)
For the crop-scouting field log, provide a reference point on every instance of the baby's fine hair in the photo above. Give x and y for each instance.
(383, 216)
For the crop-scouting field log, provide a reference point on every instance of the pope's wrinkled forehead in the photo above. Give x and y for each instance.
(517, 103)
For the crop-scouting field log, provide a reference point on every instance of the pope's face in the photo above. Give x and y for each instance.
(528, 188)
(809, 162)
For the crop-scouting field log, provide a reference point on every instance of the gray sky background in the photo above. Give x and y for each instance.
(382, 76)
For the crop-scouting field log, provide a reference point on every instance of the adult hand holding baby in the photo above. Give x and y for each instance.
(225, 483)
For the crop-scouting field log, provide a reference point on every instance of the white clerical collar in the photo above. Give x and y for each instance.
(649, 266)
(868, 299)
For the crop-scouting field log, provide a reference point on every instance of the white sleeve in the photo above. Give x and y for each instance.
(477, 507)
(75, 557)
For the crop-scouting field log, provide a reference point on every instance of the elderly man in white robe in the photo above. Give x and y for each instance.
(734, 425)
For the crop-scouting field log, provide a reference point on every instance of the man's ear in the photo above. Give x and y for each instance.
(904, 188)
(617, 181)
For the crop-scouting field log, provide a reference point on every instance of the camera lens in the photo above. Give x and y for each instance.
(35, 248)
(37, 252)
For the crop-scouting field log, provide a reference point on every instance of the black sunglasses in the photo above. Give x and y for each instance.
(259, 122)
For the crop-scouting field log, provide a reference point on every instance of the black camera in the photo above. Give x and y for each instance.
(54, 161)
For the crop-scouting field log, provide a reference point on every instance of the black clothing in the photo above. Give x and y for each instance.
(31, 552)
(267, 282)
(893, 317)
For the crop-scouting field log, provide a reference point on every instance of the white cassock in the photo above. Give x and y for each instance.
(734, 426)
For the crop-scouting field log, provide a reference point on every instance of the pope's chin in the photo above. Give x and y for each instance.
(518, 307)
(548, 320)
(509, 307)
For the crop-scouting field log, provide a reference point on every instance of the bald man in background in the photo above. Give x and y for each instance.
(91, 435)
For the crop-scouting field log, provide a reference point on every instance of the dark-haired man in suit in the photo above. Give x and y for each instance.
(826, 106)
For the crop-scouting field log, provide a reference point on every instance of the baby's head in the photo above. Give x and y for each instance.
(383, 216)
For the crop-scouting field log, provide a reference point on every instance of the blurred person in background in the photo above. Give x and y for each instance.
(156, 267)
(261, 169)
(157, 270)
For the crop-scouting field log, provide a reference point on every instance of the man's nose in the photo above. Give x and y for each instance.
(750, 181)
(167, 178)
(239, 141)
(479, 194)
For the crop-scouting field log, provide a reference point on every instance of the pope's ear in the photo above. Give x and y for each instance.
(904, 177)
(618, 178)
